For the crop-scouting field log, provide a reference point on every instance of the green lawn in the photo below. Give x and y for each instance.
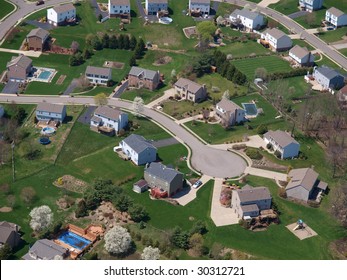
(315, 22)
(6, 8)
(286, 7)
(302, 43)
(147, 95)
(240, 49)
(299, 85)
(333, 35)
(272, 64)
(344, 52)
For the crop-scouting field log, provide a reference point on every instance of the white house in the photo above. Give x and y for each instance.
(246, 19)
(118, 8)
(249, 201)
(61, 14)
(336, 17)
(283, 143)
(138, 149)
(154, 6)
(231, 112)
(200, 6)
(276, 40)
(310, 5)
(98, 75)
(301, 56)
(108, 120)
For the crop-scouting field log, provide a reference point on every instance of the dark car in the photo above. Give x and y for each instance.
(40, 3)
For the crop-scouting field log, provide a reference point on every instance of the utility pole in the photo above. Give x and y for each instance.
(13, 168)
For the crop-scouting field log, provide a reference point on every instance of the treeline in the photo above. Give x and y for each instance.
(293, 73)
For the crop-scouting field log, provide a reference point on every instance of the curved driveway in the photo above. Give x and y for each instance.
(208, 160)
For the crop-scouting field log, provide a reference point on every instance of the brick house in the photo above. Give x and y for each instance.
(37, 39)
(143, 78)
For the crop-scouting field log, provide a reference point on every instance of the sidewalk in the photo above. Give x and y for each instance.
(27, 53)
(266, 3)
(266, 173)
(166, 95)
(255, 141)
(189, 119)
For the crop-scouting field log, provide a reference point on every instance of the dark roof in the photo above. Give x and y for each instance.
(38, 32)
(99, 71)
(305, 177)
(245, 13)
(20, 61)
(161, 171)
(281, 137)
(228, 105)
(108, 112)
(253, 194)
(6, 230)
(299, 51)
(138, 143)
(148, 74)
(335, 12)
(328, 72)
(191, 86)
(45, 249)
(141, 183)
(49, 107)
(64, 8)
(120, 2)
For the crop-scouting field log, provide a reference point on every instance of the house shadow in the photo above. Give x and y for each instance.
(20, 246)
(171, 12)
(133, 13)
(67, 119)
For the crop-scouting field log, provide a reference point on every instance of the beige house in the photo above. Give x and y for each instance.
(190, 90)
(230, 112)
(37, 39)
(19, 68)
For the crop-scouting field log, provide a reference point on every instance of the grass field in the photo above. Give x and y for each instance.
(286, 7)
(6, 8)
(239, 49)
(334, 35)
(272, 64)
(302, 43)
(146, 95)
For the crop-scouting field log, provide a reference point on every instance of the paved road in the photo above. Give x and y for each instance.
(298, 14)
(207, 160)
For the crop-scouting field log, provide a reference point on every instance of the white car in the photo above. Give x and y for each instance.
(197, 184)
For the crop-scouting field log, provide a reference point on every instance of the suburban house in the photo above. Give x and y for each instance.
(246, 19)
(50, 112)
(140, 186)
(276, 40)
(283, 143)
(119, 8)
(138, 149)
(336, 17)
(166, 179)
(310, 5)
(45, 249)
(190, 90)
(301, 56)
(108, 120)
(98, 75)
(249, 201)
(19, 68)
(9, 234)
(342, 97)
(62, 14)
(231, 112)
(154, 6)
(37, 39)
(201, 7)
(304, 184)
(328, 78)
(143, 78)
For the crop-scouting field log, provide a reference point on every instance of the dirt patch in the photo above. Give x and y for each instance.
(5, 209)
(162, 61)
(114, 64)
(61, 79)
(264, 163)
(338, 248)
(190, 31)
(71, 183)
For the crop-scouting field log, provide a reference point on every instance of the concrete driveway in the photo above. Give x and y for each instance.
(165, 142)
(43, 25)
(87, 115)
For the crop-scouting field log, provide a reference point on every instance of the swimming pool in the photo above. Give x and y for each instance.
(251, 109)
(44, 75)
(74, 240)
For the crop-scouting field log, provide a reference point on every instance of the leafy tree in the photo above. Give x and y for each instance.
(19, 115)
(105, 40)
(5, 252)
(196, 242)
(138, 213)
(81, 210)
(100, 99)
(117, 240)
(73, 61)
(261, 73)
(138, 106)
(132, 61)
(89, 39)
(262, 129)
(86, 53)
(239, 78)
(121, 41)
(180, 238)
(28, 195)
(123, 202)
(206, 29)
(198, 227)
(126, 42)
(41, 218)
(150, 253)
(96, 43)
(113, 43)
(75, 46)
(132, 43)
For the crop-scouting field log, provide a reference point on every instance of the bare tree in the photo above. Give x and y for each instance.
(261, 73)
(138, 106)
(82, 83)
(28, 194)
(75, 46)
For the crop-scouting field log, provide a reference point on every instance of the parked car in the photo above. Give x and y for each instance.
(40, 2)
(197, 184)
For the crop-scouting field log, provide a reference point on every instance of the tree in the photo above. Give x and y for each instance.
(142, 46)
(81, 210)
(261, 73)
(121, 41)
(41, 218)
(75, 46)
(138, 213)
(138, 106)
(239, 78)
(230, 72)
(113, 43)
(150, 253)
(28, 194)
(105, 40)
(199, 227)
(82, 83)
(180, 238)
(226, 94)
(5, 252)
(19, 115)
(132, 43)
(206, 29)
(73, 60)
(117, 240)
(123, 202)
(132, 61)
(100, 99)
(89, 39)
(126, 42)
(196, 242)
(86, 53)
(262, 129)
(96, 43)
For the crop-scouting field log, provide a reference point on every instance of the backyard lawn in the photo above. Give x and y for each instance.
(313, 22)
(333, 35)
(6, 8)
(244, 49)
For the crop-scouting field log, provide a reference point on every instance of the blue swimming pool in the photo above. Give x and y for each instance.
(44, 75)
(74, 240)
(251, 109)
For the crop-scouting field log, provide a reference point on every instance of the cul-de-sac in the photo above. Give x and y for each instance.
(173, 129)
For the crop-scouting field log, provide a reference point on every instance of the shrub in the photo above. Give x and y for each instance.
(282, 192)
(262, 129)
(253, 153)
(269, 146)
(278, 154)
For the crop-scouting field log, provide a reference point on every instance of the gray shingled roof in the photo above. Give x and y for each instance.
(99, 71)
(6, 229)
(96, 119)
(299, 51)
(49, 107)
(20, 61)
(38, 32)
(281, 137)
(335, 12)
(120, 2)
(276, 33)
(108, 112)
(141, 183)
(148, 74)
(249, 208)
(228, 105)
(64, 8)
(138, 143)
(328, 72)
(191, 86)
(201, 1)
(305, 177)
(45, 249)
(245, 13)
(161, 171)
(253, 194)
(157, 1)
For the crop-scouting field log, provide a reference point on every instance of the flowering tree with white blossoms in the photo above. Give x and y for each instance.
(138, 106)
(41, 217)
(117, 240)
(150, 253)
